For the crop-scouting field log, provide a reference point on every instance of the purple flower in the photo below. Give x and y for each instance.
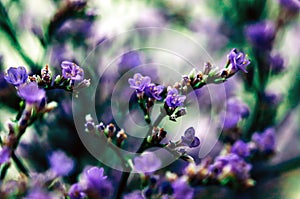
(230, 165)
(97, 186)
(189, 139)
(265, 141)
(16, 76)
(235, 111)
(147, 162)
(173, 99)
(31, 93)
(4, 155)
(76, 192)
(182, 189)
(292, 5)
(154, 91)
(129, 60)
(134, 195)
(139, 82)
(38, 193)
(277, 63)
(261, 35)
(72, 71)
(60, 163)
(238, 60)
(240, 148)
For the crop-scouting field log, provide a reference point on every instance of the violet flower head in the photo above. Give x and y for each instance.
(277, 63)
(182, 189)
(265, 141)
(238, 60)
(147, 162)
(154, 91)
(139, 82)
(38, 193)
(129, 60)
(189, 139)
(16, 76)
(76, 192)
(31, 93)
(60, 163)
(72, 71)
(231, 165)
(4, 155)
(240, 148)
(292, 5)
(261, 35)
(173, 99)
(97, 185)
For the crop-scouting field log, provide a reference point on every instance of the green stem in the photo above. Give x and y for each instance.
(125, 175)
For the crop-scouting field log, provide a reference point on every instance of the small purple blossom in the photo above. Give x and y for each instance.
(76, 192)
(147, 162)
(97, 185)
(31, 93)
(189, 139)
(16, 76)
(154, 91)
(240, 148)
(139, 82)
(265, 142)
(72, 71)
(277, 63)
(238, 60)
(173, 99)
(261, 35)
(4, 155)
(230, 164)
(60, 163)
(38, 193)
(292, 5)
(182, 189)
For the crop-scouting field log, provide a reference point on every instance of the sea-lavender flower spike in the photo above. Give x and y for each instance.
(16, 76)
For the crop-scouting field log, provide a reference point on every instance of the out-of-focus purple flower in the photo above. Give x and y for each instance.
(235, 111)
(240, 148)
(173, 99)
(134, 195)
(292, 5)
(129, 60)
(147, 162)
(189, 139)
(97, 186)
(154, 91)
(182, 189)
(272, 99)
(265, 142)
(230, 165)
(16, 76)
(238, 60)
(76, 192)
(38, 193)
(72, 71)
(261, 35)
(60, 163)
(139, 82)
(31, 93)
(277, 63)
(4, 155)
